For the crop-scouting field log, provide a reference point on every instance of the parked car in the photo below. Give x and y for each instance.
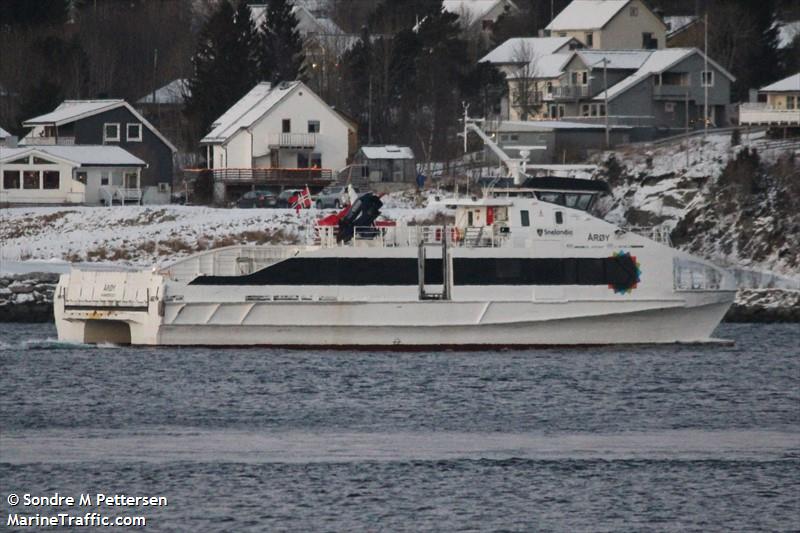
(287, 197)
(333, 196)
(258, 198)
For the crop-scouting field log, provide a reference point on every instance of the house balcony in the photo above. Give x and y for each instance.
(670, 92)
(47, 141)
(764, 114)
(285, 177)
(568, 92)
(297, 141)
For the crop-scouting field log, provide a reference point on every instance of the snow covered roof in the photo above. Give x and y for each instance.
(175, 92)
(389, 151)
(657, 61)
(678, 23)
(252, 107)
(551, 66)
(4, 134)
(586, 14)
(792, 83)
(617, 59)
(71, 110)
(81, 155)
(308, 19)
(474, 9)
(522, 49)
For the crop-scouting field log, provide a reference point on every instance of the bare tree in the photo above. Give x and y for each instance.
(524, 87)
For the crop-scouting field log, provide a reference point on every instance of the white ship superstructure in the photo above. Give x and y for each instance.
(513, 270)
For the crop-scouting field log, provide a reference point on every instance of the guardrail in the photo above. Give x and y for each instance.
(761, 113)
(267, 176)
(293, 140)
(48, 141)
(410, 236)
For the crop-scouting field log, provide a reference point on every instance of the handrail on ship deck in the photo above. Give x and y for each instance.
(398, 236)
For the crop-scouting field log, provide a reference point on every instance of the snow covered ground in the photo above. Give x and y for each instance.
(46, 237)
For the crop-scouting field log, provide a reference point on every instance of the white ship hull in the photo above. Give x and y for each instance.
(559, 277)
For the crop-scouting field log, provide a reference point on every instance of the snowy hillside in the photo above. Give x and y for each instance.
(149, 235)
(736, 205)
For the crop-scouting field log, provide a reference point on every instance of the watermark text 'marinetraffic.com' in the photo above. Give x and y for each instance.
(63, 514)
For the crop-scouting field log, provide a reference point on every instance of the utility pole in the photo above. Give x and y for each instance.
(605, 92)
(705, 78)
(686, 119)
(369, 112)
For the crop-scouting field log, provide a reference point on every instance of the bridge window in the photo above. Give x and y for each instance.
(559, 217)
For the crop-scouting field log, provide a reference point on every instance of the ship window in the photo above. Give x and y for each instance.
(525, 218)
(584, 202)
(559, 217)
(508, 270)
(591, 272)
(571, 200)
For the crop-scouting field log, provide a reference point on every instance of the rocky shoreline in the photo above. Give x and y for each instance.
(29, 298)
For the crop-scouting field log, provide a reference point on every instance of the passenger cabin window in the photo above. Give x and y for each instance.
(559, 217)
(525, 218)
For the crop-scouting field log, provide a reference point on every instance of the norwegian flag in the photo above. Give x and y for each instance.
(303, 200)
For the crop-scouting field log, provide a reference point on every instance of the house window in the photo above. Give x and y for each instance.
(40, 161)
(302, 160)
(11, 179)
(316, 160)
(549, 87)
(562, 34)
(51, 179)
(669, 107)
(790, 100)
(313, 126)
(110, 132)
(634, 11)
(81, 177)
(585, 110)
(601, 110)
(20, 161)
(134, 132)
(104, 177)
(30, 179)
(590, 39)
(594, 110)
(487, 24)
(286, 126)
(707, 78)
(648, 41)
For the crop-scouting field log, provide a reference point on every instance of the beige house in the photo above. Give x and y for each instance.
(782, 105)
(610, 24)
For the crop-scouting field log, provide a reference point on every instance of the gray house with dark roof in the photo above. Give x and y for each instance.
(108, 123)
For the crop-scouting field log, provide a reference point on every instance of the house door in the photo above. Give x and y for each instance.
(274, 159)
(131, 181)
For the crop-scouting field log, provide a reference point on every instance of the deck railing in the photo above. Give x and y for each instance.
(267, 176)
(762, 113)
(403, 236)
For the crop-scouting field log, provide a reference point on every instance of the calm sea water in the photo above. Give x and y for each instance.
(702, 438)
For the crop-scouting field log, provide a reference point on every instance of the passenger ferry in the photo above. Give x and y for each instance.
(525, 265)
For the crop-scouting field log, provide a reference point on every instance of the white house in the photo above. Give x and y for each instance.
(69, 175)
(610, 24)
(781, 108)
(279, 127)
(480, 14)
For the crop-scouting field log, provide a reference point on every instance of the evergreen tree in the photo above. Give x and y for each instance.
(225, 66)
(31, 13)
(280, 49)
